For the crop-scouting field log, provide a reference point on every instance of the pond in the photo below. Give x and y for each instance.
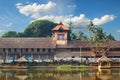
(92, 74)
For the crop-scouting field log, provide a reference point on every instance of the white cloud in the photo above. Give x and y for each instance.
(34, 10)
(72, 6)
(1, 31)
(44, 11)
(9, 24)
(78, 21)
(118, 31)
(103, 20)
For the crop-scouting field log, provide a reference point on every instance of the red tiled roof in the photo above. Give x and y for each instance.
(60, 26)
(26, 43)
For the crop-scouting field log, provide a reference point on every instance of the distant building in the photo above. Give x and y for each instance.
(56, 47)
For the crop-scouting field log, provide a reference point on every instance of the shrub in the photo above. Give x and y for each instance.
(64, 68)
(82, 67)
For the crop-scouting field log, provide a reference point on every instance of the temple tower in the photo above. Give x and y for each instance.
(60, 34)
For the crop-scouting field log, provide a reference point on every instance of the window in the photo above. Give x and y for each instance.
(38, 49)
(4, 50)
(61, 29)
(9, 50)
(60, 36)
(49, 50)
(32, 49)
(21, 50)
(73, 56)
(15, 50)
(43, 50)
(26, 49)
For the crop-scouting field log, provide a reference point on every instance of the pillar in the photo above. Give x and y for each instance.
(6, 56)
(6, 76)
(39, 57)
(109, 64)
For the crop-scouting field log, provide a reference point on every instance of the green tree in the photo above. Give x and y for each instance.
(81, 36)
(75, 36)
(10, 34)
(111, 37)
(39, 28)
(21, 34)
(99, 41)
(70, 32)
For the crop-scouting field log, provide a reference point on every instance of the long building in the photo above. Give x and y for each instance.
(56, 47)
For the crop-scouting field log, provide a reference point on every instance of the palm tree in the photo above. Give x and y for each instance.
(99, 41)
(80, 36)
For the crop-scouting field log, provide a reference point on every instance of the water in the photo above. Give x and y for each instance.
(22, 74)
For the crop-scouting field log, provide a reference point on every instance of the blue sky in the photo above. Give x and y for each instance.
(18, 14)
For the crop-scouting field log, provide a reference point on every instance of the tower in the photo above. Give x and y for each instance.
(60, 34)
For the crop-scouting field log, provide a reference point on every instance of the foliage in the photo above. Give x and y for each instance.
(111, 37)
(99, 40)
(70, 32)
(81, 36)
(21, 34)
(64, 67)
(10, 34)
(82, 67)
(43, 28)
(39, 28)
(75, 36)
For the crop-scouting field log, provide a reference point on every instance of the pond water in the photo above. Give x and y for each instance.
(23, 74)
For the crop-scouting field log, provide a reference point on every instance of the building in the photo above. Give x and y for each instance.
(56, 47)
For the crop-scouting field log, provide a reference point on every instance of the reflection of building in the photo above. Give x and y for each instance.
(104, 74)
(55, 47)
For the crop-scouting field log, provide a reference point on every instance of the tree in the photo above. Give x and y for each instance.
(71, 35)
(81, 36)
(75, 36)
(111, 37)
(21, 34)
(39, 28)
(99, 41)
(10, 34)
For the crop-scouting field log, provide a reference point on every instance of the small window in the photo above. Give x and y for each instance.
(32, 49)
(61, 29)
(9, 50)
(21, 50)
(26, 49)
(15, 50)
(49, 50)
(73, 56)
(43, 50)
(60, 37)
(4, 50)
(38, 50)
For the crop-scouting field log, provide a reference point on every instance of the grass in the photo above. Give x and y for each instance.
(64, 68)
(82, 67)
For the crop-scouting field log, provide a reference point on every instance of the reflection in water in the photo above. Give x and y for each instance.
(106, 74)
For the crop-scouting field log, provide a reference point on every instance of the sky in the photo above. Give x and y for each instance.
(16, 15)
